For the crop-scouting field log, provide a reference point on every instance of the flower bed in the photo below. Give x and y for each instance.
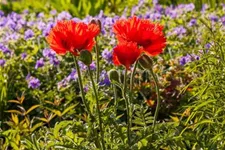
(149, 79)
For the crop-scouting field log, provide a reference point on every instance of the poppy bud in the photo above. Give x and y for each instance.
(85, 57)
(113, 75)
(146, 62)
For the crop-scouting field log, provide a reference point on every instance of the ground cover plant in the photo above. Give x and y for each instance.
(149, 78)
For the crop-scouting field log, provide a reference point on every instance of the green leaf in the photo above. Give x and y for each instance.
(32, 108)
(68, 109)
(36, 126)
(60, 126)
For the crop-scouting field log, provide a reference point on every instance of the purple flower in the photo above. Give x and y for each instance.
(207, 46)
(86, 88)
(155, 16)
(54, 61)
(26, 11)
(93, 66)
(41, 15)
(133, 10)
(4, 49)
(82, 66)
(65, 82)
(46, 31)
(214, 18)
(64, 15)
(171, 12)
(12, 36)
(192, 22)
(179, 31)
(14, 16)
(104, 79)
(53, 12)
(30, 23)
(73, 75)
(223, 20)
(2, 62)
(155, 2)
(28, 34)
(1, 13)
(62, 84)
(12, 25)
(23, 55)
(41, 25)
(40, 63)
(158, 8)
(107, 55)
(204, 7)
(188, 58)
(48, 53)
(33, 82)
(3, 21)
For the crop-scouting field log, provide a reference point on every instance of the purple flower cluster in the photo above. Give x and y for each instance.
(65, 82)
(4, 49)
(40, 63)
(107, 56)
(33, 82)
(188, 58)
(28, 34)
(51, 55)
(178, 31)
(104, 79)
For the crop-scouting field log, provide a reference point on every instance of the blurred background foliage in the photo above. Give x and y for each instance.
(78, 8)
(82, 8)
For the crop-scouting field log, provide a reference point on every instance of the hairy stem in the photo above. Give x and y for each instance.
(98, 108)
(158, 97)
(97, 62)
(127, 106)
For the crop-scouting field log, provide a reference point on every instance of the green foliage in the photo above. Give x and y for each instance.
(197, 3)
(78, 8)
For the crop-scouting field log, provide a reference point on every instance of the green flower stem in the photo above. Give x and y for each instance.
(98, 108)
(158, 97)
(131, 90)
(97, 61)
(127, 106)
(81, 85)
(115, 98)
(132, 81)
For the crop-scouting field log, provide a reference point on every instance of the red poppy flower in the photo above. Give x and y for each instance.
(70, 36)
(145, 33)
(126, 53)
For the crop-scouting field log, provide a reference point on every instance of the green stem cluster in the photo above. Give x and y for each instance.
(98, 108)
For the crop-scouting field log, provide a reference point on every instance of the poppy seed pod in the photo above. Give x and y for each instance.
(146, 62)
(113, 75)
(85, 57)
